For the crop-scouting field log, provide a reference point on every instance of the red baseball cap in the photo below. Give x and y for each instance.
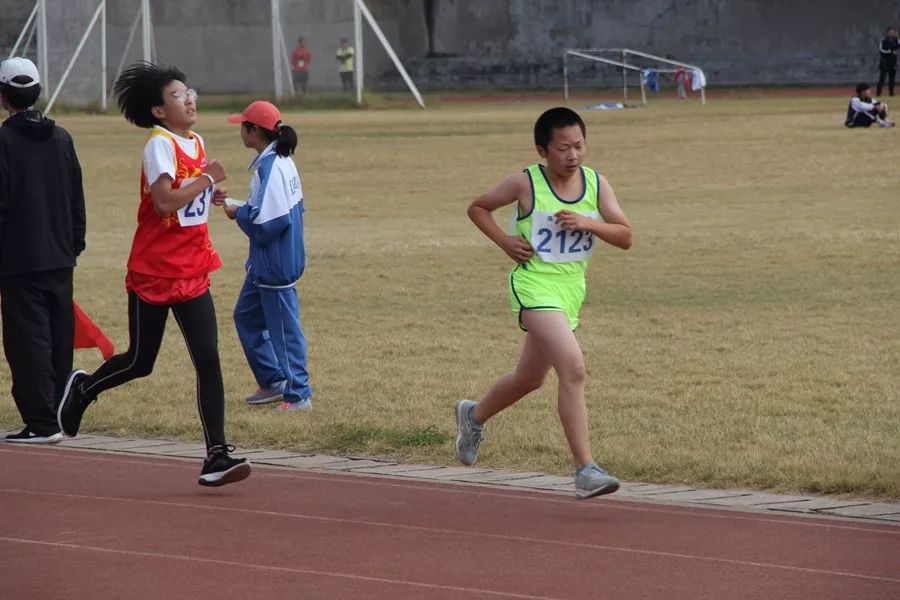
(260, 113)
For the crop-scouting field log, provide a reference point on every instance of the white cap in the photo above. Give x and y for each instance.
(18, 67)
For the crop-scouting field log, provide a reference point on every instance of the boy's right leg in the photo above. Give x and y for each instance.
(250, 323)
(146, 325)
(529, 375)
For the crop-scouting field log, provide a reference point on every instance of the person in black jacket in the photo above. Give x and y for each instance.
(42, 229)
(887, 63)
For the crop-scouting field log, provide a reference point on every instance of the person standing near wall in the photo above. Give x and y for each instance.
(887, 63)
(301, 58)
(345, 65)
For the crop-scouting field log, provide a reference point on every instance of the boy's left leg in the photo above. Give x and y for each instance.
(282, 313)
(197, 320)
(553, 332)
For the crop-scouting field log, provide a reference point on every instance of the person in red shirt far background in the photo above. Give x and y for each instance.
(300, 61)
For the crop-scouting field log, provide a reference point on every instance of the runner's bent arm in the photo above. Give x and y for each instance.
(512, 189)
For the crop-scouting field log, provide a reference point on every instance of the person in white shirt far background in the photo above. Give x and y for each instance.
(865, 111)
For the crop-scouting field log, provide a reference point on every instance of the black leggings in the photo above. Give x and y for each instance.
(146, 325)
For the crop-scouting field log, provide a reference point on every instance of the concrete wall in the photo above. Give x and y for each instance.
(519, 42)
(478, 43)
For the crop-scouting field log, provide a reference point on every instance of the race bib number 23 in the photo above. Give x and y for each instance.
(556, 245)
(196, 212)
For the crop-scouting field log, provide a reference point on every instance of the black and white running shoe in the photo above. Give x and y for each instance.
(27, 436)
(73, 404)
(220, 469)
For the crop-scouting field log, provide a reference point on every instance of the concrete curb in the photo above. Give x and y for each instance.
(883, 512)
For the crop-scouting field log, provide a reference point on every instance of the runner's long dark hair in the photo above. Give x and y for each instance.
(140, 87)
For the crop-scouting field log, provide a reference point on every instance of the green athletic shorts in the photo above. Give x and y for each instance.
(542, 291)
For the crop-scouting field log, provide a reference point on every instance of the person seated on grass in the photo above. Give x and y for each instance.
(864, 111)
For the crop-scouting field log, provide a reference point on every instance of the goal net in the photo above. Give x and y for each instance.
(622, 77)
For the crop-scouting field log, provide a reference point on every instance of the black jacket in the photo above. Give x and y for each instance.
(887, 53)
(42, 221)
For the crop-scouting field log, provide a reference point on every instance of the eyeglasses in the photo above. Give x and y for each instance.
(186, 96)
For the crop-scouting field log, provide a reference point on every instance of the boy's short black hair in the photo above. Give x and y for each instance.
(139, 88)
(555, 118)
(861, 87)
(20, 98)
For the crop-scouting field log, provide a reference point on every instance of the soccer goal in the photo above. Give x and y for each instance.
(639, 73)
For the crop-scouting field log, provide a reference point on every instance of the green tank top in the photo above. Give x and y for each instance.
(557, 251)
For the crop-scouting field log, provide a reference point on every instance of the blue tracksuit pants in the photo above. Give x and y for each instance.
(268, 325)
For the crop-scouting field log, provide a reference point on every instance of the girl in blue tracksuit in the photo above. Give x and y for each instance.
(267, 314)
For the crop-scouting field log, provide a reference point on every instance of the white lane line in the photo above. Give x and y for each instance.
(455, 532)
(244, 565)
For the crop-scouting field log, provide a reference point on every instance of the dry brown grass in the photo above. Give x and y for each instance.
(750, 337)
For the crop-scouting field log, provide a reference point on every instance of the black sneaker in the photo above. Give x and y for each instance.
(221, 469)
(27, 436)
(73, 404)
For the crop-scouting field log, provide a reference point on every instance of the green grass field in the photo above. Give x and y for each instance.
(748, 339)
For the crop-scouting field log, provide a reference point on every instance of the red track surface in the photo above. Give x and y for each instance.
(82, 525)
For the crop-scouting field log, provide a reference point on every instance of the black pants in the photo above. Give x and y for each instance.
(347, 81)
(38, 338)
(300, 79)
(146, 325)
(891, 74)
(861, 120)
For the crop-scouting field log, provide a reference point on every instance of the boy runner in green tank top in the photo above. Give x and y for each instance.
(564, 211)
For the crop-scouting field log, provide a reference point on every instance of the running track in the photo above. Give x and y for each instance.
(98, 526)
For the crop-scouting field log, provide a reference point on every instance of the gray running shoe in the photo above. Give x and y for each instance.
(591, 480)
(267, 395)
(468, 433)
(303, 405)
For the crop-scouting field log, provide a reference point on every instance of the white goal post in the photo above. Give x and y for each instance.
(596, 54)
(361, 12)
(36, 27)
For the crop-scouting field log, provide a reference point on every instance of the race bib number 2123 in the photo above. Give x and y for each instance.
(556, 245)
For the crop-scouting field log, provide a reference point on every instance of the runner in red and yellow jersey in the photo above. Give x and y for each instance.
(171, 259)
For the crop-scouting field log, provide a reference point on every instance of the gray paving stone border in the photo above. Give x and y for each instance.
(887, 513)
